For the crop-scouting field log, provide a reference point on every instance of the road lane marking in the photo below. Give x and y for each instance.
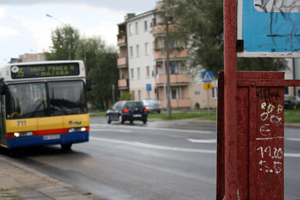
(150, 146)
(144, 145)
(208, 141)
(150, 128)
(110, 130)
(293, 139)
(293, 155)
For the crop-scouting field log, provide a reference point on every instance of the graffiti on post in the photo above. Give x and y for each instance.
(269, 137)
(283, 25)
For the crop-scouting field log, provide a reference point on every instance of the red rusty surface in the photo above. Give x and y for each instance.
(259, 136)
(230, 91)
(269, 144)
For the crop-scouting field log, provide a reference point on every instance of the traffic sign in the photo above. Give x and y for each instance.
(207, 76)
(148, 87)
(268, 28)
(207, 86)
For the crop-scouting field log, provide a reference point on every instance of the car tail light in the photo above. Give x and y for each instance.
(125, 110)
(145, 110)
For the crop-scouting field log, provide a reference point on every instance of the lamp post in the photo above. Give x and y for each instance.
(69, 46)
(168, 65)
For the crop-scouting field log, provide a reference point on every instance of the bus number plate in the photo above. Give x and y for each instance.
(51, 137)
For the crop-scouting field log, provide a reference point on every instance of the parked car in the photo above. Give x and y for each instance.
(127, 111)
(292, 103)
(151, 105)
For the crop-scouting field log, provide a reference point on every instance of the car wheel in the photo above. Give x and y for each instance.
(108, 119)
(295, 107)
(158, 111)
(131, 121)
(144, 121)
(121, 119)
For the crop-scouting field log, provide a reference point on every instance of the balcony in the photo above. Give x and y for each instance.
(158, 55)
(161, 29)
(177, 103)
(123, 83)
(122, 61)
(122, 41)
(174, 79)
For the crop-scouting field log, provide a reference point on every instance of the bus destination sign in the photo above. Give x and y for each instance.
(50, 70)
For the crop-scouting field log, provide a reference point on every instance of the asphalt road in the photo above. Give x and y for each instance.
(150, 161)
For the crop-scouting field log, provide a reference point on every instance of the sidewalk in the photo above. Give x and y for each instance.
(19, 182)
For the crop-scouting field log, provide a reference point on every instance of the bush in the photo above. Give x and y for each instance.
(125, 96)
(197, 106)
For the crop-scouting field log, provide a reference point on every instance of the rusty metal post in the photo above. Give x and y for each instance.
(230, 95)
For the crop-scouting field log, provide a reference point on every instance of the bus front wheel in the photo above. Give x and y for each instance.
(66, 146)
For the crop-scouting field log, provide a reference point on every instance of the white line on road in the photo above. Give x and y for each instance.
(209, 141)
(149, 128)
(293, 139)
(144, 145)
(110, 130)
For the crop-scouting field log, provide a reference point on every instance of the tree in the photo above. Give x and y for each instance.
(64, 43)
(201, 22)
(100, 61)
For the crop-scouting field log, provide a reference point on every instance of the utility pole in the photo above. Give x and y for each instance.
(168, 65)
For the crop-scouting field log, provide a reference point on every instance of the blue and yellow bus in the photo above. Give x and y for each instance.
(43, 103)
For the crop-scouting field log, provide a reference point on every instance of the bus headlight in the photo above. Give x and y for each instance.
(79, 129)
(23, 134)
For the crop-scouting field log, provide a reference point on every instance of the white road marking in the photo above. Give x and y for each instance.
(293, 155)
(209, 141)
(144, 145)
(293, 139)
(149, 128)
(110, 130)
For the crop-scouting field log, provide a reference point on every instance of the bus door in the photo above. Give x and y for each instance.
(2, 121)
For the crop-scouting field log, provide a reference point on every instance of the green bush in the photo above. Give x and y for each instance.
(125, 96)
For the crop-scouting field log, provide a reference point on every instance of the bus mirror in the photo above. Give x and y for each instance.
(88, 85)
(2, 88)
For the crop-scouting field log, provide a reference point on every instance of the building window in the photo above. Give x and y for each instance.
(214, 92)
(173, 69)
(132, 73)
(147, 48)
(286, 90)
(133, 97)
(136, 27)
(130, 29)
(131, 51)
(138, 73)
(174, 93)
(148, 71)
(137, 50)
(172, 43)
(146, 25)
(140, 96)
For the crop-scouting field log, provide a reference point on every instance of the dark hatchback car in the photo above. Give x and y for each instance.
(127, 111)
(292, 103)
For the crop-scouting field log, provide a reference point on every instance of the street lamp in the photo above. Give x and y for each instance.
(69, 47)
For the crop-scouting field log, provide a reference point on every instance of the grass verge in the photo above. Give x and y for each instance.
(290, 116)
(5, 193)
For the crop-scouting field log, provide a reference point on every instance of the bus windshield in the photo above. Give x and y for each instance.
(31, 100)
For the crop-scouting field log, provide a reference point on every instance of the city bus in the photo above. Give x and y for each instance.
(43, 103)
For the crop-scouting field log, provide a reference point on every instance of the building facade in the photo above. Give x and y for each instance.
(142, 62)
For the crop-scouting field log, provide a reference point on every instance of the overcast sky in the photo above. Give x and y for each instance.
(25, 28)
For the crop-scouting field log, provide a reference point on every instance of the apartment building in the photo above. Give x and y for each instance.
(142, 61)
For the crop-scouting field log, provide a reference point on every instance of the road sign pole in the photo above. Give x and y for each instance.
(208, 102)
(230, 95)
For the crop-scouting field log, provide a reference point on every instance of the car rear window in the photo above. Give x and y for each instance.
(134, 104)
